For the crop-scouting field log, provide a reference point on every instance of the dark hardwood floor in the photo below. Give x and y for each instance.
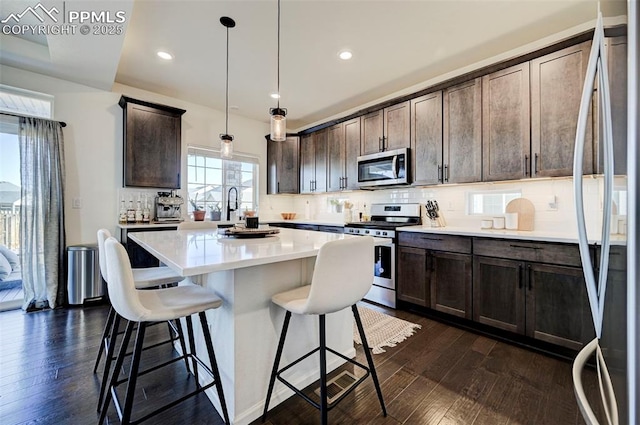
(441, 375)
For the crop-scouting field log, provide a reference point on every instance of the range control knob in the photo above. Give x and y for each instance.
(366, 232)
(377, 232)
(384, 233)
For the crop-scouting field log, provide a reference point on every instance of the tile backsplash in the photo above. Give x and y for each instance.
(551, 197)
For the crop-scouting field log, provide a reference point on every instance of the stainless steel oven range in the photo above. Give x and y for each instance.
(385, 219)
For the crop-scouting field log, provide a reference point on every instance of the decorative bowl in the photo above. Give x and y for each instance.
(288, 216)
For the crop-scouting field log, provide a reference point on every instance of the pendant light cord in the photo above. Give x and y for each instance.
(226, 124)
(278, 54)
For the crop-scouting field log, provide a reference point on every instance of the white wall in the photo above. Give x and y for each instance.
(93, 143)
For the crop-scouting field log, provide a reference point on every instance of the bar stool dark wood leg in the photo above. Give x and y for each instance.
(214, 364)
(133, 373)
(324, 413)
(276, 363)
(192, 349)
(108, 359)
(105, 335)
(367, 353)
(116, 371)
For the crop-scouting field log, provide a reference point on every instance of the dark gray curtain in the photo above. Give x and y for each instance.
(42, 240)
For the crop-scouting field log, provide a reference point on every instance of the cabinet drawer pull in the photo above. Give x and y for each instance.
(431, 239)
(529, 276)
(526, 165)
(440, 173)
(525, 246)
(535, 168)
(380, 145)
(446, 173)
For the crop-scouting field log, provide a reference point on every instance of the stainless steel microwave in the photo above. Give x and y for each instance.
(384, 168)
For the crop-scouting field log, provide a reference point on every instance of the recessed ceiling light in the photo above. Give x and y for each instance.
(275, 95)
(165, 55)
(345, 55)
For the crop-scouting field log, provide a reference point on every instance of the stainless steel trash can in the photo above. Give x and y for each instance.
(84, 281)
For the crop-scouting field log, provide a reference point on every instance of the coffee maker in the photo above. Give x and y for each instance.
(168, 206)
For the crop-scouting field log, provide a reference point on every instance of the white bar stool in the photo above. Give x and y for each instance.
(343, 274)
(145, 278)
(143, 308)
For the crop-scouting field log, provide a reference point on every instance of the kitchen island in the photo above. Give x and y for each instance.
(245, 274)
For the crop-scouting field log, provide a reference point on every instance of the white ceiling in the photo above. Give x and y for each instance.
(396, 44)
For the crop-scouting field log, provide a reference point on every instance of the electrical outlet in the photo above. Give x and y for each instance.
(76, 203)
(552, 203)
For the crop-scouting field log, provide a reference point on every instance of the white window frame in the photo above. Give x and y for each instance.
(237, 157)
(504, 193)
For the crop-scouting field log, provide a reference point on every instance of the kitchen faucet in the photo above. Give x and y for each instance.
(229, 209)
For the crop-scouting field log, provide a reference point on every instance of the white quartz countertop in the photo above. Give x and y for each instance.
(195, 252)
(159, 225)
(304, 221)
(534, 235)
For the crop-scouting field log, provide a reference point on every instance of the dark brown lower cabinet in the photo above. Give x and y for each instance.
(451, 283)
(498, 295)
(434, 279)
(412, 285)
(542, 301)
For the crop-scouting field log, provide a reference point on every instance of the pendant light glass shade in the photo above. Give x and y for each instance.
(226, 146)
(226, 139)
(278, 115)
(278, 124)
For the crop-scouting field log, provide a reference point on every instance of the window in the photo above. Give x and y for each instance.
(25, 102)
(19, 102)
(209, 179)
(490, 202)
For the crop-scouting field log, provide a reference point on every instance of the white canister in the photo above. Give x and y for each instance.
(498, 222)
(486, 224)
(511, 221)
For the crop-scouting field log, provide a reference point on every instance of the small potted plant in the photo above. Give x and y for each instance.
(215, 212)
(198, 212)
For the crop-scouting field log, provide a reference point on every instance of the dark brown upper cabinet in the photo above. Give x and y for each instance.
(351, 130)
(557, 80)
(386, 129)
(462, 148)
(283, 166)
(335, 158)
(426, 138)
(313, 162)
(617, 67)
(152, 144)
(506, 140)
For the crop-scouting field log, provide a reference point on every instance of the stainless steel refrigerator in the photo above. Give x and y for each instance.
(610, 263)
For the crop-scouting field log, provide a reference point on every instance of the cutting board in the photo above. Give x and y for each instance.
(525, 210)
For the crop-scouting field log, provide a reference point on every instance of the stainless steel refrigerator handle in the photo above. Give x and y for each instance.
(610, 406)
(583, 243)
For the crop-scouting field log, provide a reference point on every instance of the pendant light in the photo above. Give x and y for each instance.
(226, 139)
(278, 115)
